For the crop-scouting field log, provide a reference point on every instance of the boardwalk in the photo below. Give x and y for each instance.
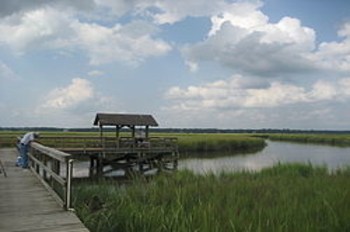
(25, 205)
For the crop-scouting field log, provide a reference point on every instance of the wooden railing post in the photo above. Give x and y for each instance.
(40, 157)
(44, 171)
(69, 175)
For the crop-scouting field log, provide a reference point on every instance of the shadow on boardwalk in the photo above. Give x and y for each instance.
(25, 205)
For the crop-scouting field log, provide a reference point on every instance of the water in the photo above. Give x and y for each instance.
(276, 152)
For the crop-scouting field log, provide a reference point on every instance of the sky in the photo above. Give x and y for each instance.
(228, 64)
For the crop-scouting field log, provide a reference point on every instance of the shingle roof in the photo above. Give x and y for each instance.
(107, 119)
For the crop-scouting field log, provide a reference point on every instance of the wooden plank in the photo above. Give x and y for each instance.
(25, 205)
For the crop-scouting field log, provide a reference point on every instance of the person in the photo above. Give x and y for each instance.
(25, 142)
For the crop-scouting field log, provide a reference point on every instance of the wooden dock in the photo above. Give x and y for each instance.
(25, 205)
(118, 154)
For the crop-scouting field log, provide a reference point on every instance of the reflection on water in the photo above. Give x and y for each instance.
(275, 152)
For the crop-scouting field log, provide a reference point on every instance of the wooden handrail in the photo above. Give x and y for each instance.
(110, 143)
(52, 152)
(41, 156)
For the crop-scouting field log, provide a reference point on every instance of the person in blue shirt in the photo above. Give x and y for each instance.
(25, 142)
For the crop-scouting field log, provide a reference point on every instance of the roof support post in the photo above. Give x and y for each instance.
(146, 131)
(101, 132)
(133, 131)
(101, 136)
(117, 129)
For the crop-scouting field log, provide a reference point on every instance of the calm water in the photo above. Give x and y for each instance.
(283, 152)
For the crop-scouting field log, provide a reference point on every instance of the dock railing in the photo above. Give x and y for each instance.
(86, 144)
(46, 164)
(51, 158)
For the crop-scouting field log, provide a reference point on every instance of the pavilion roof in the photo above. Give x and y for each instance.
(109, 119)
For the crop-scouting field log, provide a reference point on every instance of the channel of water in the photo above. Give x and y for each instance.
(275, 152)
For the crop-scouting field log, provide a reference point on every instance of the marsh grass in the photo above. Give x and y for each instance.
(9, 138)
(328, 139)
(291, 197)
(213, 143)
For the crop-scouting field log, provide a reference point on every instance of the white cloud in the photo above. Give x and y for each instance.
(80, 90)
(277, 94)
(323, 90)
(35, 29)
(243, 39)
(48, 28)
(130, 43)
(239, 102)
(161, 12)
(233, 94)
(73, 105)
(10, 7)
(289, 31)
(335, 56)
(243, 15)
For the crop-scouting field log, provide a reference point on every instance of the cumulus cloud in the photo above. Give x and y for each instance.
(75, 93)
(48, 28)
(36, 24)
(73, 105)
(233, 94)
(239, 102)
(242, 14)
(335, 55)
(243, 39)
(35, 29)
(9, 7)
(161, 12)
(80, 96)
(241, 36)
(130, 43)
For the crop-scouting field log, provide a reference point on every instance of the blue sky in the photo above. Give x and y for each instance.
(197, 63)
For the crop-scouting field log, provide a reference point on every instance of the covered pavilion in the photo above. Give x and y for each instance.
(131, 121)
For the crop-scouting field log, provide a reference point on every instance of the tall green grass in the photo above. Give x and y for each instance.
(218, 143)
(9, 138)
(329, 139)
(283, 198)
